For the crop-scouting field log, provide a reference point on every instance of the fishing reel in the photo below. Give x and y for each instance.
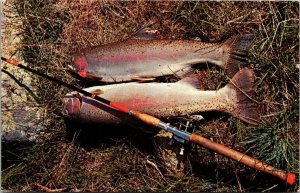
(186, 124)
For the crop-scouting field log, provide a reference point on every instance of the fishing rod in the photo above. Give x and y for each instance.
(288, 177)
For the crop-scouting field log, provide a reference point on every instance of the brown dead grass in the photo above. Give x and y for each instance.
(116, 161)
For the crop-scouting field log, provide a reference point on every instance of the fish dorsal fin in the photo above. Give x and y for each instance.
(191, 80)
(146, 34)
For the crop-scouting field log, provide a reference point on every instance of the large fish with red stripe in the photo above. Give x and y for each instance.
(143, 59)
(165, 100)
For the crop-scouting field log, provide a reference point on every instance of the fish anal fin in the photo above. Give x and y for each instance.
(146, 34)
(185, 72)
(143, 79)
(192, 80)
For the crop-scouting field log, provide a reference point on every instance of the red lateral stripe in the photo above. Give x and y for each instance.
(119, 107)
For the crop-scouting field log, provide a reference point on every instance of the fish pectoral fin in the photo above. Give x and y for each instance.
(146, 34)
(97, 92)
(89, 75)
(142, 79)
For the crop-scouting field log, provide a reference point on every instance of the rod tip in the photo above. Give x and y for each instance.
(291, 179)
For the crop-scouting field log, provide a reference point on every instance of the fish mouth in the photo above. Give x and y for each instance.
(71, 106)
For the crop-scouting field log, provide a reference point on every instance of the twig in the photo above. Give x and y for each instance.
(235, 19)
(155, 166)
(48, 189)
(30, 186)
(22, 85)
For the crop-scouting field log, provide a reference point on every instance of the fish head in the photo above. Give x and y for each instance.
(71, 105)
(81, 67)
(81, 63)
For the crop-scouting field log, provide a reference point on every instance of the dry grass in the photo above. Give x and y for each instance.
(116, 160)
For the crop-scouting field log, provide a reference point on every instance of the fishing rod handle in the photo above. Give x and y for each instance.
(145, 118)
(289, 178)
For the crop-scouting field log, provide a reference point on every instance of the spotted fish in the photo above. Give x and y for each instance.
(166, 99)
(144, 59)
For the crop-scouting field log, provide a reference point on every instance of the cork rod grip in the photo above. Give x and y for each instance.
(145, 118)
(289, 178)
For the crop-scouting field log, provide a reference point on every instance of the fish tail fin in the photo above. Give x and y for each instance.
(237, 49)
(239, 92)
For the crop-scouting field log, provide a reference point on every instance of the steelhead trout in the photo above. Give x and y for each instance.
(147, 59)
(165, 100)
